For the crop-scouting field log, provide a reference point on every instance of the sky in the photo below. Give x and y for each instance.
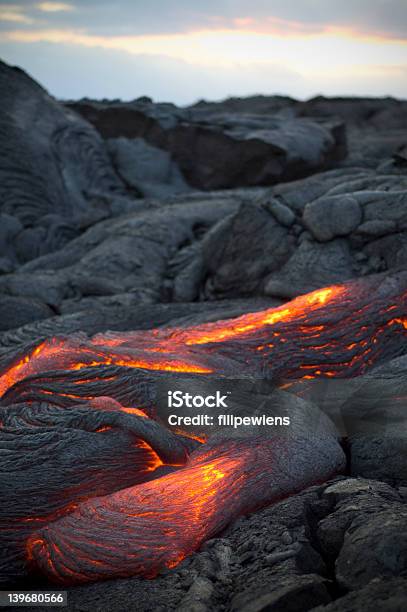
(185, 50)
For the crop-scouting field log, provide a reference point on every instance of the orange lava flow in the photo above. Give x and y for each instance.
(146, 528)
(229, 329)
(187, 434)
(195, 349)
(135, 411)
(57, 353)
(182, 525)
(154, 460)
(18, 371)
(336, 331)
(296, 309)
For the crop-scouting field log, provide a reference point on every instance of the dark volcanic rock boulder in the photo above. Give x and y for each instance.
(222, 245)
(375, 416)
(45, 286)
(10, 228)
(375, 126)
(234, 264)
(312, 266)
(352, 502)
(52, 162)
(232, 151)
(218, 150)
(331, 217)
(391, 249)
(145, 168)
(127, 254)
(309, 233)
(17, 311)
(132, 255)
(388, 595)
(374, 547)
(365, 531)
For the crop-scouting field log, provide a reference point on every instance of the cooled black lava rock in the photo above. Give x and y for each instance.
(18, 311)
(223, 149)
(52, 164)
(282, 557)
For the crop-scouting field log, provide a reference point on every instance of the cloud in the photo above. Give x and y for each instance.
(76, 72)
(14, 13)
(100, 73)
(211, 49)
(224, 48)
(54, 7)
(378, 18)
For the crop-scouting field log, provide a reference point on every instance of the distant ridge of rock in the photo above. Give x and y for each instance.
(220, 148)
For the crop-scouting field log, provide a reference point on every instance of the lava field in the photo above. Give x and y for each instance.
(257, 246)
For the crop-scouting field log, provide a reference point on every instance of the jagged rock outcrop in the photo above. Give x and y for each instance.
(222, 149)
(55, 174)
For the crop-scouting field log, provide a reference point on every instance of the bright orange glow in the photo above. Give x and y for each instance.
(189, 518)
(187, 434)
(320, 296)
(52, 352)
(296, 309)
(336, 331)
(154, 460)
(57, 353)
(13, 373)
(35, 543)
(135, 411)
(190, 350)
(163, 366)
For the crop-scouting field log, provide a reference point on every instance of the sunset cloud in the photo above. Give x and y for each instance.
(227, 47)
(323, 46)
(374, 18)
(14, 13)
(54, 7)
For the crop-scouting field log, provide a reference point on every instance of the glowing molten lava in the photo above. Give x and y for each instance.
(338, 331)
(335, 331)
(298, 308)
(143, 529)
(58, 353)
